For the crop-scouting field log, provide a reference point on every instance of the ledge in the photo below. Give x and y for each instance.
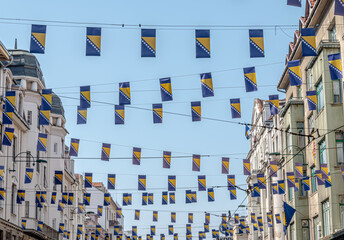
(288, 104)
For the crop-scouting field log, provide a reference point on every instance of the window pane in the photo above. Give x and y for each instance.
(336, 91)
(320, 96)
(340, 156)
(326, 218)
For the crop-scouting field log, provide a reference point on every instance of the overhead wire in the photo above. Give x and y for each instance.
(207, 118)
(249, 190)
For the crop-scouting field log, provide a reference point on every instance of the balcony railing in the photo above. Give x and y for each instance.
(47, 231)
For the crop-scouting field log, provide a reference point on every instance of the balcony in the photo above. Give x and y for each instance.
(47, 233)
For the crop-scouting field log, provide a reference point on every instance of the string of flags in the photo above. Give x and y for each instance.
(148, 42)
(294, 179)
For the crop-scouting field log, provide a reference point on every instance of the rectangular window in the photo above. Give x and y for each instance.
(28, 158)
(300, 131)
(305, 229)
(45, 181)
(326, 217)
(29, 117)
(54, 223)
(0, 137)
(337, 91)
(341, 209)
(309, 79)
(340, 148)
(290, 193)
(316, 228)
(310, 124)
(299, 89)
(320, 96)
(287, 137)
(13, 198)
(314, 180)
(55, 147)
(37, 163)
(38, 118)
(332, 34)
(303, 193)
(292, 231)
(322, 151)
(27, 209)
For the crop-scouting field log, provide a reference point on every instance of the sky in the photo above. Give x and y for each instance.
(66, 68)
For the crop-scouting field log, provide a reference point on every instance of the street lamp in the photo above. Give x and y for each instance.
(29, 157)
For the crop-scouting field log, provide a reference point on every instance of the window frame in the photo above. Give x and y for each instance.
(337, 81)
(322, 151)
(320, 95)
(314, 180)
(326, 218)
(340, 141)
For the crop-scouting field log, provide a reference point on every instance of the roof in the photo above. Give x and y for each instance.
(56, 105)
(97, 184)
(4, 54)
(25, 64)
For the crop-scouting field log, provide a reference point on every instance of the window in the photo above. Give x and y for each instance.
(287, 138)
(0, 137)
(322, 151)
(341, 208)
(28, 158)
(13, 198)
(55, 147)
(316, 228)
(320, 96)
(340, 148)
(301, 131)
(299, 89)
(292, 231)
(303, 193)
(305, 229)
(37, 162)
(332, 34)
(14, 150)
(29, 117)
(27, 209)
(54, 223)
(45, 181)
(309, 79)
(310, 124)
(314, 180)
(337, 92)
(290, 193)
(326, 217)
(38, 111)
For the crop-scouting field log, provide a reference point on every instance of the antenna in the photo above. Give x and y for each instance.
(15, 44)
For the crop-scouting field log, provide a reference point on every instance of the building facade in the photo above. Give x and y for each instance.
(41, 213)
(310, 139)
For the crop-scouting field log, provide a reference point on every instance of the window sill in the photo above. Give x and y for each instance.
(339, 166)
(319, 113)
(336, 104)
(313, 194)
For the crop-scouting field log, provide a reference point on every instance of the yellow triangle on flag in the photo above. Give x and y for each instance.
(150, 41)
(95, 40)
(310, 40)
(259, 41)
(205, 42)
(40, 38)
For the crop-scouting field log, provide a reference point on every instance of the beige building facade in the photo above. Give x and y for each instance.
(20, 72)
(310, 138)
